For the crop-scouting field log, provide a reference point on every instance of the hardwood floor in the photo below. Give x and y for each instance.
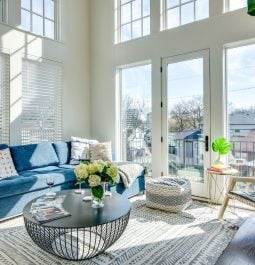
(241, 250)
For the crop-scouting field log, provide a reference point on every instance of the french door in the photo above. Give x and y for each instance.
(186, 118)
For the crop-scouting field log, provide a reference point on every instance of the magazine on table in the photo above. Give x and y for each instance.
(50, 213)
(46, 209)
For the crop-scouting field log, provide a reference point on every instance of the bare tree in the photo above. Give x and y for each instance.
(186, 114)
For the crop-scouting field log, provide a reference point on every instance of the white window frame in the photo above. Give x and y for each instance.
(164, 10)
(120, 24)
(55, 20)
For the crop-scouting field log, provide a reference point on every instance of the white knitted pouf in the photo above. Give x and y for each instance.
(169, 194)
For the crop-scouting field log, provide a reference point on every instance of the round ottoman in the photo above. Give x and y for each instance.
(169, 194)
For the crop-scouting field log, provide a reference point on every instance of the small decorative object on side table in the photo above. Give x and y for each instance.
(97, 174)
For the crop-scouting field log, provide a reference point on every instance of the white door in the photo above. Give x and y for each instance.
(186, 118)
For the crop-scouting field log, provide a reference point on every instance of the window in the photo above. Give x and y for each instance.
(4, 98)
(134, 19)
(41, 117)
(240, 83)
(38, 16)
(136, 114)
(235, 4)
(180, 12)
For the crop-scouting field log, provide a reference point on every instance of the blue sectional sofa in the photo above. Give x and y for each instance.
(34, 162)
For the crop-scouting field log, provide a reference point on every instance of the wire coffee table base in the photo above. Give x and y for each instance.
(77, 243)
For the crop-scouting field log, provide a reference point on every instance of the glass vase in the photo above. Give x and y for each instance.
(97, 202)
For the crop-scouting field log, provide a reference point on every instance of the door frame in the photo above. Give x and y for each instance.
(198, 189)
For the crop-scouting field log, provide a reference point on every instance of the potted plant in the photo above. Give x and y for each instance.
(222, 147)
(96, 175)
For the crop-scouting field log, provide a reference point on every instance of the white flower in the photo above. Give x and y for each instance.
(94, 180)
(81, 171)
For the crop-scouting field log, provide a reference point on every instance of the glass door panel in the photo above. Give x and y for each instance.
(186, 119)
(240, 83)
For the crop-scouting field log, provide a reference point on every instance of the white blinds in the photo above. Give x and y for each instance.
(41, 117)
(4, 98)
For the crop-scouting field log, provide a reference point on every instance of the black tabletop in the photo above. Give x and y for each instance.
(82, 214)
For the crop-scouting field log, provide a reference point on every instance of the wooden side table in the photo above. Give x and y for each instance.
(213, 186)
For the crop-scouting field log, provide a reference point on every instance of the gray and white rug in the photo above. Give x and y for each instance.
(152, 237)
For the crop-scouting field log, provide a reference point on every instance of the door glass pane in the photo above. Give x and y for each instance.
(185, 119)
(136, 115)
(241, 109)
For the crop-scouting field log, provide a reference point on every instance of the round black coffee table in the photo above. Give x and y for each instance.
(84, 234)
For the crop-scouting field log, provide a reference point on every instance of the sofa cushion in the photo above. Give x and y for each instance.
(34, 180)
(26, 157)
(3, 146)
(63, 151)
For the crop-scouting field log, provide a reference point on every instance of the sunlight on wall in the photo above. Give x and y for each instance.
(19, 44)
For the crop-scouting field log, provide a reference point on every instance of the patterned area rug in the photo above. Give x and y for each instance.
(152, 237)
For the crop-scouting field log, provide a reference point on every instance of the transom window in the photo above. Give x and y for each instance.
(39, 17)
(134, 19)
(180, 12)
(235, 4)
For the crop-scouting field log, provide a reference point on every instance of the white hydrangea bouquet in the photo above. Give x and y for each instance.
(96, 175)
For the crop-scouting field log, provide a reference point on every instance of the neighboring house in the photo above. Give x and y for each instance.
(241, 123)
(137, 146)
(185, 146)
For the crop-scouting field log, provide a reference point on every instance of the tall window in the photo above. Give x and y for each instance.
(38, 16)
(240, 83)
(180, 12)
(134, 19)
(41, 117)
(136, 114)
(4, 98)
(235, 4)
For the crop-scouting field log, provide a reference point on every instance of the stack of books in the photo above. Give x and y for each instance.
(222, 170)
(46, 209)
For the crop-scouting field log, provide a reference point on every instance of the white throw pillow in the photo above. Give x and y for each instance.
(80, 149)
(101, 151)
(7, 168)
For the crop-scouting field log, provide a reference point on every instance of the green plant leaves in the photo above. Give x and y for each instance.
(98, 191)
(221, 146)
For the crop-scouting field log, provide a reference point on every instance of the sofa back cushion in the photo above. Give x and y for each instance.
(26, 157)
(63, 151)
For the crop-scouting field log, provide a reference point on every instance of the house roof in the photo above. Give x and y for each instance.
(242, 118)
(186, 134)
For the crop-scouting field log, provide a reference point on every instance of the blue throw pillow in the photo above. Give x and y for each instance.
(26, 157)
(63, 150)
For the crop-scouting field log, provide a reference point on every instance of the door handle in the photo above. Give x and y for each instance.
(206, 143)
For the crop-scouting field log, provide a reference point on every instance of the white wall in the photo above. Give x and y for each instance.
(212, 33)
(72, 51)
